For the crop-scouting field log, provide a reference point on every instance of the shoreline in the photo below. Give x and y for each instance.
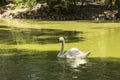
(59, 12)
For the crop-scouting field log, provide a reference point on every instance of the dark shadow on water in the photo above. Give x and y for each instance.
(36, 65)
(6, 37)
(37, 36)
(29, 54)
(4, 27)
(70, 36)
(26, 65)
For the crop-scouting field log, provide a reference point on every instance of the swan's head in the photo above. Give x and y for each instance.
(61, 39)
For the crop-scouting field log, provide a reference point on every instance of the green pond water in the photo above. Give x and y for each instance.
(29, 48)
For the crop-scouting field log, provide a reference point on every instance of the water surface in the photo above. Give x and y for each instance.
(28, 50)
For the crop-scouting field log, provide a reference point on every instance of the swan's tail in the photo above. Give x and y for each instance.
(87, 53)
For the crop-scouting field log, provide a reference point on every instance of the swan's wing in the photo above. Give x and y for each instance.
(86, 54)
(73, 53)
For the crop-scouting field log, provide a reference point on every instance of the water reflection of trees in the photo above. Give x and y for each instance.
(34, 66)
(38, 65)
(13, 35)
(50, 35)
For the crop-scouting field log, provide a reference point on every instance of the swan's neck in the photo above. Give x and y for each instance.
(62, 47)
(61, 54)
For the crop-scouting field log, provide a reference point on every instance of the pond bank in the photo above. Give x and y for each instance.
(57, 12)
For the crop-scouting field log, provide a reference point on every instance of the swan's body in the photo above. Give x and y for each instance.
(72, 53)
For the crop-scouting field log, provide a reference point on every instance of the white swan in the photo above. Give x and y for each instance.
(72, 53)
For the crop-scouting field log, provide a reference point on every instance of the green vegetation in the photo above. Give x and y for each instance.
(31, 3)
(28, 3)
(61, 9)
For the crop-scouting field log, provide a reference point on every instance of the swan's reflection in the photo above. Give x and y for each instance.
(73, 63)
(76, 63)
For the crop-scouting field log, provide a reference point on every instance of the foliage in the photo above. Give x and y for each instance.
(31, 3)
(2, 2)
(112, 2)
(27, 3)
(108, 2)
